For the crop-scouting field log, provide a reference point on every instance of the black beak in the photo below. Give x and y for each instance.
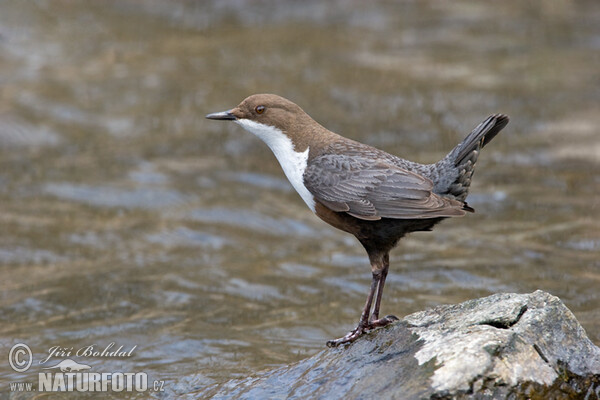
(223, 116)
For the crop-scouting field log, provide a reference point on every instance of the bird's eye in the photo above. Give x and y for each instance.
(259, 109)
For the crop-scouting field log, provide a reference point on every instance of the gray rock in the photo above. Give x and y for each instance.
(501, 346)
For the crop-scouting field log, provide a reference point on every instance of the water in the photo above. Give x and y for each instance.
(129, 218)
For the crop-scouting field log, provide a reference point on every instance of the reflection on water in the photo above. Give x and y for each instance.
(129, 218)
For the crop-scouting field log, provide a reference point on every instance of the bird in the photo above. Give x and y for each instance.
(374, 195)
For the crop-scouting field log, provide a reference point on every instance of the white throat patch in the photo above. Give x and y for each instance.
(293, 163)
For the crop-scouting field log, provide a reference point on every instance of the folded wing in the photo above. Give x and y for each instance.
(371, 189)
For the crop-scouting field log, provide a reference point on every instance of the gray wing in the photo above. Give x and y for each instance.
(372, 189)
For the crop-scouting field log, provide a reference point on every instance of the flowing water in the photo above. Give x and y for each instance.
(127, 217)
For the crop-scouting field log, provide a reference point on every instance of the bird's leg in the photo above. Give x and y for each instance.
(375, 321)
(384, 272)
(363, 323)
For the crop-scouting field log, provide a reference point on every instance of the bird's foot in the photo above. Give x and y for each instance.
(361, 329)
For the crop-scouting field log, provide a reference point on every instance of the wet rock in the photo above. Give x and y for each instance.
(501, 346)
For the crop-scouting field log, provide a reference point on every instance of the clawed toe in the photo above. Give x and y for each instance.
(349, 338)
(382, 321)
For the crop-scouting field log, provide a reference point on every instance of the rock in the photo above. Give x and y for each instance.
(501, 346)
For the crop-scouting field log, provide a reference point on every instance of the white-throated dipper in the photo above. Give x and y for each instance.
(359, 189)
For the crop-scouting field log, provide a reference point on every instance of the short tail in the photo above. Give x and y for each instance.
(478, 138)
(461, 160)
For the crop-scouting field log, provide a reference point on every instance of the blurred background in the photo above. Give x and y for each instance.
(127, 217)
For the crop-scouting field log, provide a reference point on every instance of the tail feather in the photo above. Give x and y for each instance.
(468, 149)
(456, 169)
